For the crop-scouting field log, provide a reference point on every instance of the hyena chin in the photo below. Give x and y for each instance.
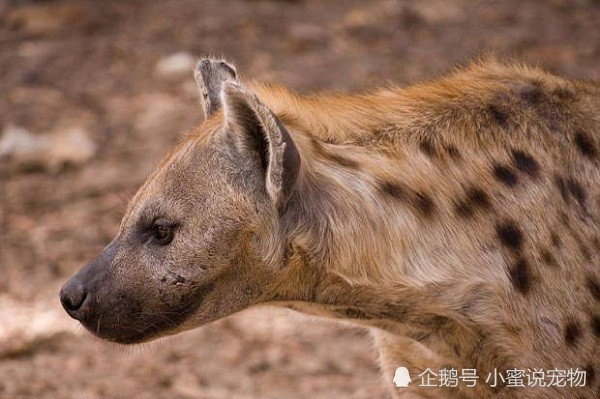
(458, 220)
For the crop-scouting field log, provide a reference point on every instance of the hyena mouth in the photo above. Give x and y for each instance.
(126, 320)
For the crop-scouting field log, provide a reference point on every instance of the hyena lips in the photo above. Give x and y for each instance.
(458, 219)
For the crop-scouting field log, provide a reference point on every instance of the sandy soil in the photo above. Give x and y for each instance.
(92, 67)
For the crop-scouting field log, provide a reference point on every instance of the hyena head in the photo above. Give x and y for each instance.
(198, 241)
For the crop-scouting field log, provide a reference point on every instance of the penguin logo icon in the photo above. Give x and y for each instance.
(401, 378)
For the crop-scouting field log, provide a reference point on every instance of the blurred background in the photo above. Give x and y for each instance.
(94, 92)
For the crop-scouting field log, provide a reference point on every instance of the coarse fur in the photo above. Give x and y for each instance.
(458, 219)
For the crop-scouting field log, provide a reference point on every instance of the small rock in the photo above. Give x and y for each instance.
(19, 142)
(176, 66)
(25, 326)
(51, 152)
(72, 146)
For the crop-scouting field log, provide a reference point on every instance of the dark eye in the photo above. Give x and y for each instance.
(163, 232)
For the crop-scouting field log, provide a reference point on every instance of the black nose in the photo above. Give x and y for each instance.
(73, 296)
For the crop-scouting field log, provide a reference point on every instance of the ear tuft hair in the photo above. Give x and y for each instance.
(211, 74)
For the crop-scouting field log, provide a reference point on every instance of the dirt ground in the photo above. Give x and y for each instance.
(97, 70)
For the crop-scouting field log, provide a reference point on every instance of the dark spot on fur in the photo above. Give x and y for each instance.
(499, 387)
(570, 187)
(427, 148)
(572, 333)
(478, 197)
(456, 349)
(595, 323)
(525, 163)
(393, 190)
(355, 313)
(510, 235)
(439, 321)
(576, 190)
(421, 201)
(531, 93)
(585, 252)
(287, 254)
(453, 152)
(505, 175)
(333, 157)
(464, 209)
(424, 204)
(590, 374)
(520, 276)
(475, 198)
(432, 323)
(562, 187)
(563, 93)
(498, 112)
(596, 244)
(594, 287)
(585, 144)
(548, 258)
(394, 312)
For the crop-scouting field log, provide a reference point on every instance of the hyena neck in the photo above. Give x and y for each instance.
(347, 245)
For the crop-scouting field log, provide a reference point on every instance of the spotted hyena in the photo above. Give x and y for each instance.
(458, 220)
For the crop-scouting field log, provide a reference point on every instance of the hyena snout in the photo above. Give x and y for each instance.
(78, 294)
(116, 298)
(74, 298)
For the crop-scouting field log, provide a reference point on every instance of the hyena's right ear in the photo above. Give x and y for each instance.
(259, 134)
(211, 75)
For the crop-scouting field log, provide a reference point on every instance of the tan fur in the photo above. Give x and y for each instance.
(457, 219)
(453, 267)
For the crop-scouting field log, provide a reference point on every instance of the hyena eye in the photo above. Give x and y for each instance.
(163, 232)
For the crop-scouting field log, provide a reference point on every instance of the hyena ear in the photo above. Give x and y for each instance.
(258, 130)
(211, 75)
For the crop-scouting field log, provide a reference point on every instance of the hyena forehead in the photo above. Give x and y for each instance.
(191, 175)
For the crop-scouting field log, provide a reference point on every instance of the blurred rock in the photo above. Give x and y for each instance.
(28, 327)
(72, 146)
(65, 147)
(176, 66)
(18, 141)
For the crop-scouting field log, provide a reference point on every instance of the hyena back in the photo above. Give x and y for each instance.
(456, 219)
